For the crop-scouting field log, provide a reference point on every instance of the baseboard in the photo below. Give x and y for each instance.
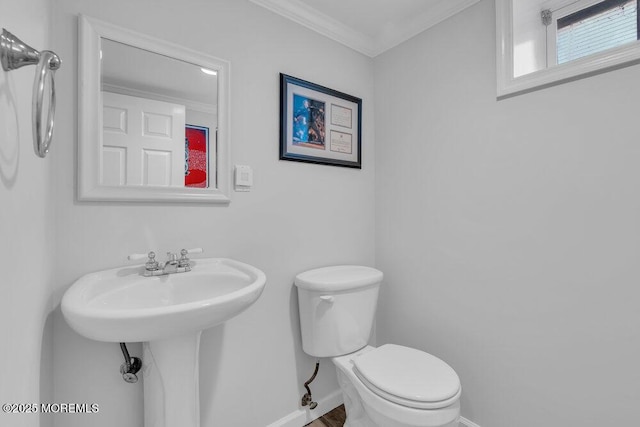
(304, 416)
(466, 423)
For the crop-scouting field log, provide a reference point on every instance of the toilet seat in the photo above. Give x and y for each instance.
(408, 377)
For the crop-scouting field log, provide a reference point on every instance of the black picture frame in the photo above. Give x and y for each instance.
(319, 125)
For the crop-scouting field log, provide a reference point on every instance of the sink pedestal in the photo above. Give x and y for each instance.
(171, 389)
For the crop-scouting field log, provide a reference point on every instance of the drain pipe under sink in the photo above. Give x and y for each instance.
(130, 367)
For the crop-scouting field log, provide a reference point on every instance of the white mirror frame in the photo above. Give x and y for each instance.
(583, 67)
(90, 32)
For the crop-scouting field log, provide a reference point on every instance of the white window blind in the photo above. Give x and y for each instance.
(596, 29)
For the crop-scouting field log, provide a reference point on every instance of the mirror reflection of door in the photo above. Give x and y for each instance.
(143, 141)
(149, 103)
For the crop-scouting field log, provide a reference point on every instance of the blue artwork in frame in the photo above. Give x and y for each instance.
(319, 125)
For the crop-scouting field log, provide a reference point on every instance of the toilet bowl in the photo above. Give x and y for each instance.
(387, 386)
(369, 405)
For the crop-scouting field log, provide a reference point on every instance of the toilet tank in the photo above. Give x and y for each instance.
(337, 307)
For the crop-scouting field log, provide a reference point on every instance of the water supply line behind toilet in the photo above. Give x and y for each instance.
(307, 399)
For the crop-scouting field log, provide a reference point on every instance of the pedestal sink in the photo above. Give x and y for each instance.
(167, 314)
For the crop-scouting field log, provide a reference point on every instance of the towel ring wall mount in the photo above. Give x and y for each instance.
(14, 53)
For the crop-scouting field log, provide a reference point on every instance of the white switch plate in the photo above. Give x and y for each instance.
(243, 178)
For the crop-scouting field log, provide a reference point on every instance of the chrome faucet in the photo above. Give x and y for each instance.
(172, 265)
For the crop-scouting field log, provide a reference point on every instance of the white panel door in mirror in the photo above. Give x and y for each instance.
(148, 136)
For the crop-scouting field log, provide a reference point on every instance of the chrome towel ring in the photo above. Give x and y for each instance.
(14, 53)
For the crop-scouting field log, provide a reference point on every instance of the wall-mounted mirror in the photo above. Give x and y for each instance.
(544, 42)
(153, 119)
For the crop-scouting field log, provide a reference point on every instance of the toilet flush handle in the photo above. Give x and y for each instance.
(327, 298)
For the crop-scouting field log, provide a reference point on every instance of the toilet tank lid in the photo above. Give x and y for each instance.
(338, 278)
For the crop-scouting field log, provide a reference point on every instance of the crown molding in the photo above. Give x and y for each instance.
(311, 18)
(319, 22)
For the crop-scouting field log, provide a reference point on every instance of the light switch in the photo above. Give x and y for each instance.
(243, 178)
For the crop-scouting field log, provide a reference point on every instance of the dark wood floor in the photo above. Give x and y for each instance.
(335, 418)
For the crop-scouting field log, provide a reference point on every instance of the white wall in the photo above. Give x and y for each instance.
(298, 216)
(509, 230)
(26, 230)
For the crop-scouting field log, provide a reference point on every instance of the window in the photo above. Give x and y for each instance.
(534, 36)
(586, 27)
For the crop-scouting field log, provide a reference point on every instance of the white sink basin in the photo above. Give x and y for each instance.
(120, 305)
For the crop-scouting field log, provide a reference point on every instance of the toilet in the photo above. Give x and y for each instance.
(386, 386)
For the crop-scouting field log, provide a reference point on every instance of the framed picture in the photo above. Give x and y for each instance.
(319, 125)
(196, 156)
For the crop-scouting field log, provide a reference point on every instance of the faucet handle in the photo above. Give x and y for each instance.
(184, 261)
(150, 265)
(135, 257)
(191, 251)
